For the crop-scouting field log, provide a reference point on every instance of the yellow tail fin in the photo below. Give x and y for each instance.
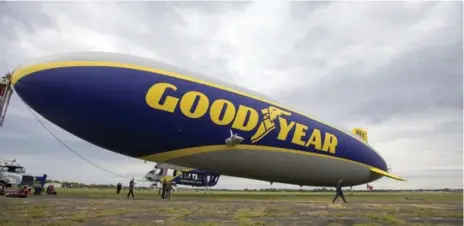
(361, 133)
(386, 174)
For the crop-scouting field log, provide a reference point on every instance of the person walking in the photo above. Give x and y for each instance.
(168, 189)
(118, 188)
(163, 188)
(131, 189)
(339, 191)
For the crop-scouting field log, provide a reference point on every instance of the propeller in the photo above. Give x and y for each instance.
(234, 139)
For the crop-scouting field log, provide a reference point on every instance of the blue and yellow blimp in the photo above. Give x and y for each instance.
(157, 112)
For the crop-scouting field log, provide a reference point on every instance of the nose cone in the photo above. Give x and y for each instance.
(29, 84)
(383, 163)
(377, 160)
(48, 90)
(95, 103)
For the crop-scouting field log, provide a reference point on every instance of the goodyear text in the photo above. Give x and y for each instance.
(222, 112)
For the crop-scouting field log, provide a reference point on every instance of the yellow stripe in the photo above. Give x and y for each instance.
(22, 72)
(170, 155)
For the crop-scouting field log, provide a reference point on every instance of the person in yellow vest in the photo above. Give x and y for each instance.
(167, 186)
(163, 187)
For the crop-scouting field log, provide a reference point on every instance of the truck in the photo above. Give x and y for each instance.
(13, 175)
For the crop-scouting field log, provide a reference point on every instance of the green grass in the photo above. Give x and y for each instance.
(256, 195)
(104, 207)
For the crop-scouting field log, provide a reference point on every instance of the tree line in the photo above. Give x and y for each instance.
(71, 184)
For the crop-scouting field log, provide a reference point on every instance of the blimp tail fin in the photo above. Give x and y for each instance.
(386, 174)
(361, 133)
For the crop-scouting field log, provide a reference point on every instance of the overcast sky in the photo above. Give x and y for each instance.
(394, 68)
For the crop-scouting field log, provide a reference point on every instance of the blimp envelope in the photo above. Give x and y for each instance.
(158, 112)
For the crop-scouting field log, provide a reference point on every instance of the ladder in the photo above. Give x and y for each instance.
(5, 95)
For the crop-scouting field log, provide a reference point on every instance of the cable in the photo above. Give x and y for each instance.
(69, 148)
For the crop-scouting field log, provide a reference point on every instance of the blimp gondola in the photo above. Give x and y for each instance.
(157, 112)
(182, 176)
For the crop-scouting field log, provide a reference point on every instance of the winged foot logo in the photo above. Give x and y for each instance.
(267, 124)
(222, 112)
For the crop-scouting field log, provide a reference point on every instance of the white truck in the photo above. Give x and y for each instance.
(13, 175)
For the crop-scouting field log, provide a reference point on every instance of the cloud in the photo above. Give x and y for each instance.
(394, 68)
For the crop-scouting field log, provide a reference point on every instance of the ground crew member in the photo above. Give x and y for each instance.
(339, 191)
(163, 187)
(168, 189)
(118, 188)
(22, 192)
(131, 189)
(159, 189)
(51, 190)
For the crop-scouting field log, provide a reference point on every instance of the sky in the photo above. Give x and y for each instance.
(395, 68)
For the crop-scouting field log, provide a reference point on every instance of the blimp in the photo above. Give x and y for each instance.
(157, 112)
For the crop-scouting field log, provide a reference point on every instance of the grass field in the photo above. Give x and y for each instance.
(104, 207)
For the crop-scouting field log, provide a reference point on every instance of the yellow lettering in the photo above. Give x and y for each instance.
(330, 143)
(156, 92)
(240, 119)
(285, 128)
(315, 139)
(299, 133)
(187, 101)
(216, 110)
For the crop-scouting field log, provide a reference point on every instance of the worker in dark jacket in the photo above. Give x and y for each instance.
(339, 191)
(167, 195)
(118, 188)
(131, 188)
